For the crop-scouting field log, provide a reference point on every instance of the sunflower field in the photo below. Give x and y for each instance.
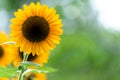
(56, 40)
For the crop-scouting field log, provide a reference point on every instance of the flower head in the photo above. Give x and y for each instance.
(6, 51)
(36, 28)
(40, 59)
(4, 37)
(39, 76)
(33, 76)
(4, 79)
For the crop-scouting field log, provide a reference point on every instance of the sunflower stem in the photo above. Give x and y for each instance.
(20, 75)
(23, 68)
(25, 57)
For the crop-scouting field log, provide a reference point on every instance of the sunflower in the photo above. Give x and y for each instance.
(4, 37)
(39, 76)
(6, 51)
(4, 79)
(40, 59)
(36, 28)
(33, 76)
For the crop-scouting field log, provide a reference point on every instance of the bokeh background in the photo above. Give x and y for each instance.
(88, 51)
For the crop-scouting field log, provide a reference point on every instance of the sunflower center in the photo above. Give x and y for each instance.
(1, 51)
(35, 29)
(30, 77)
(30, 57)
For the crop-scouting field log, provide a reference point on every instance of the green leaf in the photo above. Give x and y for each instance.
(34, 71)
(47, 69)
(27, 64)
(38, 67)
(10, 42)
(40, 70)
(7, 72)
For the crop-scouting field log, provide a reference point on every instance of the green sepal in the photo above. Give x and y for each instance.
(23, 68)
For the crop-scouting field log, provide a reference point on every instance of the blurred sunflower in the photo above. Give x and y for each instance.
(36, 29)
(4, 79)
(38, 76)
(6, 51)
(32, 76)
(40, 59)
(4, 37)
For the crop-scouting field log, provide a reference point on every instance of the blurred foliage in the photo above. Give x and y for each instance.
(87, 50)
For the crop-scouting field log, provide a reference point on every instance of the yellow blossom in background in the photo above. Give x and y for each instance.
(38, 76)
(3, 37)
(40, 59)
(4, 79)
(36, 28)
(6, 50)
(33, 76)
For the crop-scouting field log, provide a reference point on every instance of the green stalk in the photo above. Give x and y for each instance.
(25, 57)
(20, 75)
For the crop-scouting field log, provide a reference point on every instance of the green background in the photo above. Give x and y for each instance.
(87, 51)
